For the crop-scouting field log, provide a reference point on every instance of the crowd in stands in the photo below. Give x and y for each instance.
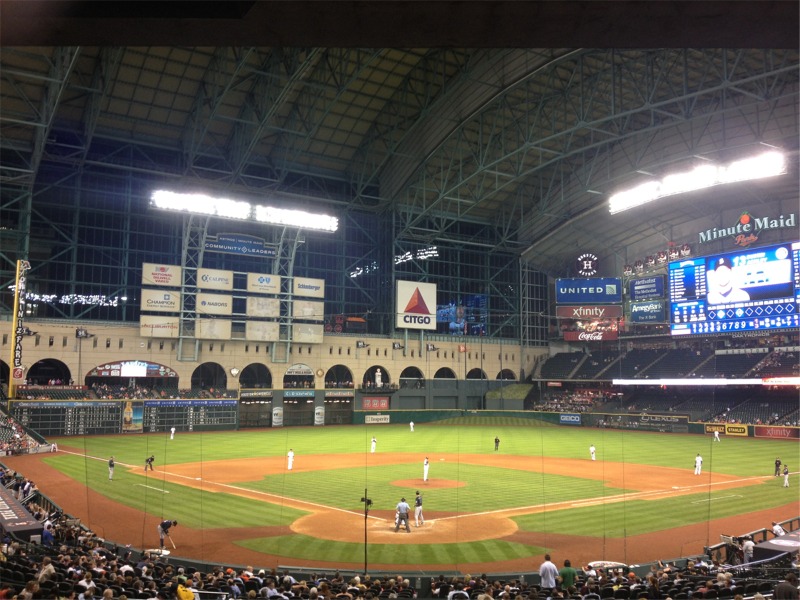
(571, 401)
(335, 383)
(13, 438)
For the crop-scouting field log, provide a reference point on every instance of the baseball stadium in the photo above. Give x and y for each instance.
(345, 314)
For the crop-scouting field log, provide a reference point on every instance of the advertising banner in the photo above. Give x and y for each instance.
(213, 329)
(319, 416)
(646, 288)
(277, 416)
(262, 331)
(263, 284)
(416, 305)
(161, 275)
(160, 301)
(654, 311)
(376, 420)
(740, 430)
(591, 290)
(586, 312)
(241, 244)
(214, 304)
(133, 417)
(569, 419)
(263, 307)
(777, 433)
(214, 279)
(304, 286)
(591, 336)
(158, 327)
(308, 310)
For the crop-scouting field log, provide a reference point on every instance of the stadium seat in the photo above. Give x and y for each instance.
(622, 593)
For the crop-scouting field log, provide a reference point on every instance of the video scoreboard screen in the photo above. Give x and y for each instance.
(753, 289)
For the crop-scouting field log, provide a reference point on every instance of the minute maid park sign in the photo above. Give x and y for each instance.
(416, 305)
(748, 228)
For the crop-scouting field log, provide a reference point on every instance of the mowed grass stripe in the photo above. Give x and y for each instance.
(634, 517)
(157, 495)
(484, 488)
(301, 547)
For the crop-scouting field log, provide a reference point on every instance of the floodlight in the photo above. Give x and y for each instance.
(228, 208)
(768, 164)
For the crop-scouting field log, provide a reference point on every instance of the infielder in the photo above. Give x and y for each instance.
(418, 517)
(785, 475)
(592, 451)
(111, 469)
(290, 459)
(698, 464)
(373, 445)
(425, 467)
(411, 425)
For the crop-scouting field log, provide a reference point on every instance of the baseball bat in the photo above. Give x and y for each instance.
(174, 547)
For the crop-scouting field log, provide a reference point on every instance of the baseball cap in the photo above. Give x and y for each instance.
(402, 499)
(722, 262)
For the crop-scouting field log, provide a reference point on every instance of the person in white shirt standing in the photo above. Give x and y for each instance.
(698, 464)
(548, 572)
(172, 433)
(290, 459)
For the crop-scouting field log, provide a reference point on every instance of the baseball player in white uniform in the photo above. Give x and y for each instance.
(716, 436)
(425, 466)
(290, 459)
(592, 451)
(698, 464)
(373, 445)
(411, 425)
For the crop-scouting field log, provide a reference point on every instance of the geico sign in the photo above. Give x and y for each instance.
(417, 319)
(570, 418)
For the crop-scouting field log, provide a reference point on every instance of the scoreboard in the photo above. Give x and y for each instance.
(92, 417)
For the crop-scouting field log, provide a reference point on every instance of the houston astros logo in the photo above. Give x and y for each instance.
(587, 264)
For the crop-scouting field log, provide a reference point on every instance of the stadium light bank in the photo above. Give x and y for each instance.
(241, 210)
(768, 164)
(765, 381)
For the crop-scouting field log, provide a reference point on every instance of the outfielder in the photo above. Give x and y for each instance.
(373, 445)
(716, 436)
(592, 451)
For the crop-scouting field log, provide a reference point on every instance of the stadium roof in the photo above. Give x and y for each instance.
(520, 118)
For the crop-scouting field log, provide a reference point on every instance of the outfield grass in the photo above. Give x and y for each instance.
(483, 488)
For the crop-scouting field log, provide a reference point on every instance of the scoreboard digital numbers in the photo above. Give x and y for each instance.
(189, 415)
(90, 417)
(749, 290)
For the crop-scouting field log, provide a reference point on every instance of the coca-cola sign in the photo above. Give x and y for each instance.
(590, 336)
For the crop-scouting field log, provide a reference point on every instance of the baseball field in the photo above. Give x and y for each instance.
(485, 510)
